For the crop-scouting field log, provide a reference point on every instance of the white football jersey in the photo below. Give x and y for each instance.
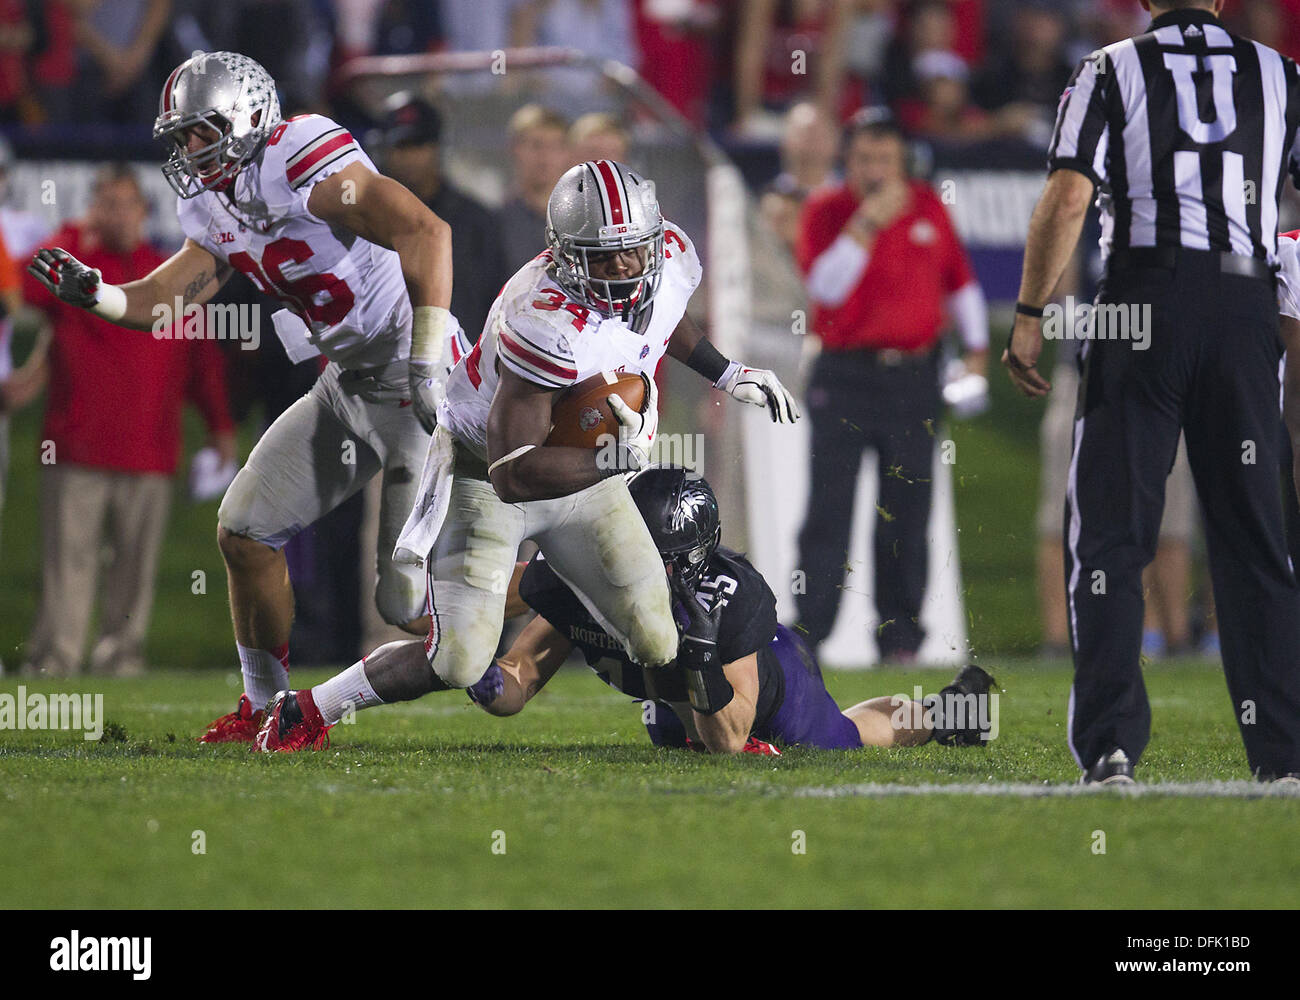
(542, 335)
(349, 293)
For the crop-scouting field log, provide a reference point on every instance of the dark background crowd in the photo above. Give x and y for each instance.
(957, 68)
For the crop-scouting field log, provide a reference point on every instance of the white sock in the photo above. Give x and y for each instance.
(265, 673)
(349, 689)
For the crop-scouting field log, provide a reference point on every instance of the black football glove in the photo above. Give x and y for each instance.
(697, 653)
(957, 717)
(67, 278)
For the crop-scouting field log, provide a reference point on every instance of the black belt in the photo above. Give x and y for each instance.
(1168, 257)
(881, 357)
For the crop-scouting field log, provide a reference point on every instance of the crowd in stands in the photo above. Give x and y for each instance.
(950, 69)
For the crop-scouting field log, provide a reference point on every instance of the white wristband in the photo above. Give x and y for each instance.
(429, 325)
(110, 302)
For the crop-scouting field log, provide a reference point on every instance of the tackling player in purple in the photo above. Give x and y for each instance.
(740, 679)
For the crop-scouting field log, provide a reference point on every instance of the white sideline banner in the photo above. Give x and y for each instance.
(776, 462)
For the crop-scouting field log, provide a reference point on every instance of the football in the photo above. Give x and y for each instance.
(580, 414)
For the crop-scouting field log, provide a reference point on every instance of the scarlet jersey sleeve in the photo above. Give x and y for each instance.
(1288, 278)
(301, 153)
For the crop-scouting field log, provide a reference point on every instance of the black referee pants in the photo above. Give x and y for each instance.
(856, 401)
(1211, 369)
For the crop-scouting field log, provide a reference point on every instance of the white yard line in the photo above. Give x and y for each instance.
(1026, 790)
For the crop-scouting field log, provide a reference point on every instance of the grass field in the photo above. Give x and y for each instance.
(405, 808)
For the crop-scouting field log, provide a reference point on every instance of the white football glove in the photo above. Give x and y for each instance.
(425, 383)
(761, 388)
(636, 431)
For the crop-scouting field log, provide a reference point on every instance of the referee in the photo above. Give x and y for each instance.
(1185, 132)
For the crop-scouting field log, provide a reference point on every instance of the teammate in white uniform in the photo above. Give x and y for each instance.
(364, 271)
(609, 294)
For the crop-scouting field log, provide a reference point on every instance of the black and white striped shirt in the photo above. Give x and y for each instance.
(1187, 130)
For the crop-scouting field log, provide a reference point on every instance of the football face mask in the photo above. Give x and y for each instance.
(617, 281)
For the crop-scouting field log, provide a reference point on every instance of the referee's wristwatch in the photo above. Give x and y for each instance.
(1036, 312)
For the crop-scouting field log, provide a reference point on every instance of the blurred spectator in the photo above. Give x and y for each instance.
(406, 26)
(1110, 21)
(944, 110)
(926, 26)
(110, 444)
(539, 155)
(23, 230)
(869, 33)
(20, 24)
(479, 26)
(598, 136)
(1034, 67)
(53, 61)
(407, 146)
(1275, 23)
(883, 266)
(120, 40)
(809, 146)
(600, 28)
(16, 388)
(291, 38)
(676, 42)
(785, 50)
(20, 232)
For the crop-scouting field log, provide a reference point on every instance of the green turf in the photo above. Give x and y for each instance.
(402, 810)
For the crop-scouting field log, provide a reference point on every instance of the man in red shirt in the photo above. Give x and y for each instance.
(884, 272)
(110, 444)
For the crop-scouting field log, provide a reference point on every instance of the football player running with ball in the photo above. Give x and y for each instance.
(741, 682)
(364, 269)
(608, 294)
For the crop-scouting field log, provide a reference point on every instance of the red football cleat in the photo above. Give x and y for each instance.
(292, 723)
(755, 745)
(239, 726)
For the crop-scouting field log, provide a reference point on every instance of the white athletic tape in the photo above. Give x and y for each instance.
(429, 326)
(511, 457)
(110, 302)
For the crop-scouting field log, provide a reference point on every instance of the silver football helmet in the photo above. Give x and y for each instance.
(230, 93)
(598, 207)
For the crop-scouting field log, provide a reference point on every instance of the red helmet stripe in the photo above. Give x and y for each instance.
(611, 192)
(167, 87)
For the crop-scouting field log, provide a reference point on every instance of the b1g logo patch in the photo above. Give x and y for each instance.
(589, 418)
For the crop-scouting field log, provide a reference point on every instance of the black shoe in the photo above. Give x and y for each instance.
(1286, 778)
(953, 726)
(1112, 768)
